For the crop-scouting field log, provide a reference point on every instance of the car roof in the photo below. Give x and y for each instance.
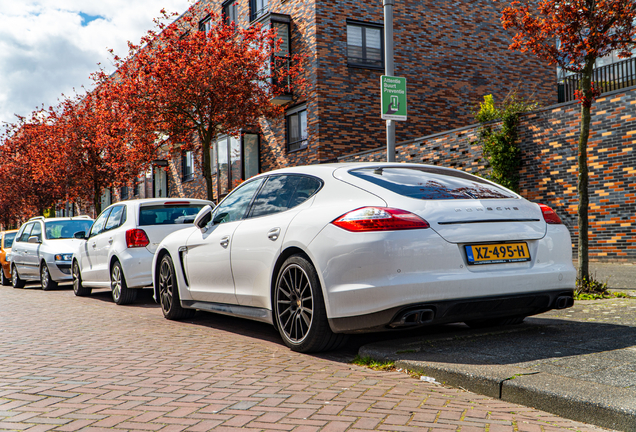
(55, 219)
(161, 200)
(329, 168)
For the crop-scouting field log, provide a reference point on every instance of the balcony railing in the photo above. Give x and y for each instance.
(610, 77)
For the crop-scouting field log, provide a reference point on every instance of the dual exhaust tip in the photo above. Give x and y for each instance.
(564, 301)
(418, 317)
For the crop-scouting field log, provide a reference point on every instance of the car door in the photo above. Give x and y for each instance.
(104, 243)
(19, 248)
(31, 257)
(89, 261)
(258, 239)
(207, 255)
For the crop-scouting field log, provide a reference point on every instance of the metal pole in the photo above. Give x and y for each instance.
(388, 70)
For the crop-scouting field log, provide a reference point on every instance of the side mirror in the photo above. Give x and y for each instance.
(203, 217)
(80, 235)
(33, 239)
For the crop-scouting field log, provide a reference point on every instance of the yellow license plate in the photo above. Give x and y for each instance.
(497, 253)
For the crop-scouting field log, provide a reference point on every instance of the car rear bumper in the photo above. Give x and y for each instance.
(460, 310)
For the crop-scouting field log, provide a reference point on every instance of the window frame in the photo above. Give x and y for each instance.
(185, 155)
(256, 14)
(225, 7)
(364, 25)
(295, 111)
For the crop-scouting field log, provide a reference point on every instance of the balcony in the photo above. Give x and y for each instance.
(610, 77)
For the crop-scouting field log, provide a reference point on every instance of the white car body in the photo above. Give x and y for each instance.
(42, 250)
(103, 247)
(379, 279)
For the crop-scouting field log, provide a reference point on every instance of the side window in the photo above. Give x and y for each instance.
(234, 206)
(115, 219)
(37, 231)
(26, 232)
(281, 193)
(99, 223)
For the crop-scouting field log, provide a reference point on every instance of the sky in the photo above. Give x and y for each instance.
(50, 47)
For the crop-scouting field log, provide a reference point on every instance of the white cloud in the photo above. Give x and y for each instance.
(47, 49)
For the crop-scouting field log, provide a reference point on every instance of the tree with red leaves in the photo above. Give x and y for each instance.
(101, 147)
(188, 85)
(574, 34)
(30, 155)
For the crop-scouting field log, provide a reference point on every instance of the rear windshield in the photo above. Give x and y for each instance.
(428, 183)
(66, 228)
(8, 240)
(162, 214)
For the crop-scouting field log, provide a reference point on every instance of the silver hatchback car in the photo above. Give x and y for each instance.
(43, 248)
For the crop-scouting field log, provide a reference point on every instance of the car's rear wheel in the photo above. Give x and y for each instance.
(16, 280)
(45, 278)
(121, 293)
(5, 280)
(299, 308)
(495, 322)
(79, 289)
(169, 292)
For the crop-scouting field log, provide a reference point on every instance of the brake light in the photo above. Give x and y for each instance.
(168, 203)
(550, 215)
(379, 219)
(136, 238)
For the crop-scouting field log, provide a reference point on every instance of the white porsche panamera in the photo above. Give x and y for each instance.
(324, 250)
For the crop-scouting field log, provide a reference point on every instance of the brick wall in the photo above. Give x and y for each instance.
(452, 53)
(549, 143)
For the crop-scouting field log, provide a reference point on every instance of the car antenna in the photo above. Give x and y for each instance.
(377, 171)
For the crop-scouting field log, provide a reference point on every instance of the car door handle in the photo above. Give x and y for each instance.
(94, 245)
(225, 240)
(273, 234)
(110, 240)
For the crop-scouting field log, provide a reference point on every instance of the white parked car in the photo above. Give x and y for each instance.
(321, 251)
(117, 251)
(42, 250)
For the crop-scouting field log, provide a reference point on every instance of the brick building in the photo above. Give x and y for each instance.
(452, 53)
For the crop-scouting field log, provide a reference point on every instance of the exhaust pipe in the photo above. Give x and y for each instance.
(563, 302)
(414, 317)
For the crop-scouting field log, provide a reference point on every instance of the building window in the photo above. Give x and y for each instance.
(205, 24)
(258, 8)
(187, 165)
(365, 47)
(123, 193)
(297, 128)
(230, 12)
(237, 159)
(159, 182)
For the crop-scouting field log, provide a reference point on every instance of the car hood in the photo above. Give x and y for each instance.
(62, 245)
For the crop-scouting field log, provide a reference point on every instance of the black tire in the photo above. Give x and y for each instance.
(121, 293)
(168, 291)
(495, 322)
(16, 281)
(5, 280)
(299, 308)
(46, 282)
(79, 289)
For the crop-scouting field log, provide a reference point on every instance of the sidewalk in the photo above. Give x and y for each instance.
(579, 363)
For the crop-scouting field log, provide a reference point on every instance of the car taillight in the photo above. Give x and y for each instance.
(136, 238)
(379, 219)
(550, 215)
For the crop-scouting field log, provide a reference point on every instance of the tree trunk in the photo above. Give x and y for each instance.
(582, 186)
(97, 199)
(207, 165)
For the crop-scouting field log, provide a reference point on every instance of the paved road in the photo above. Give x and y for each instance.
(69, 363)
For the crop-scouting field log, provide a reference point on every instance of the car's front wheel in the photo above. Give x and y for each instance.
(78, 288)
(45, 278)
(16, 280)
(169, 292)
(121, 293)
(299, 308)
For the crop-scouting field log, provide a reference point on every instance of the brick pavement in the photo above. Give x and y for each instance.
(85, 364)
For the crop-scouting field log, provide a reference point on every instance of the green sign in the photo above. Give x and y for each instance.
(393, 98)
